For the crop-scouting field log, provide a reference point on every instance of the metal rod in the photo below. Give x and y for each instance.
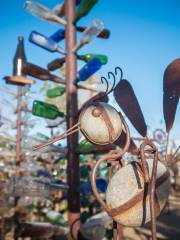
(174, 155)
(152, 198)
(167, 147)
(18, 134)
(72, 115)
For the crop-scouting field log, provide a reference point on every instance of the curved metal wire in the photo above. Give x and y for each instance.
(114, 81)
(103, 79)
(121, 72)
(107, 84)
(72, 226)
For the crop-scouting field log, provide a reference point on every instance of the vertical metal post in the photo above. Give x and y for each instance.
(72, 116)
(18, 134)
(18, 151)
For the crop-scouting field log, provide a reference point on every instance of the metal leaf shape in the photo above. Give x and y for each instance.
(171, 81)
(128, 102)
(171, 87)
(170, 103)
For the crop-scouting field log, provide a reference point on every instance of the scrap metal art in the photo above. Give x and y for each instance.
(137, 192)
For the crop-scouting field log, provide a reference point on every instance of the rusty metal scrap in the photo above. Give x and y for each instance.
(171, 88)
(126, 98)
(150, 181)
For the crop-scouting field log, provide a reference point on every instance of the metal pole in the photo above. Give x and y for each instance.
(18, 134)
(72, 115)
(18, 152)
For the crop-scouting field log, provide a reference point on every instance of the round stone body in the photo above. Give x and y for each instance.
(100, 123)
(129, 199)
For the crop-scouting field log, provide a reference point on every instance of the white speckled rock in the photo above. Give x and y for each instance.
(126, 185)
(93, 126)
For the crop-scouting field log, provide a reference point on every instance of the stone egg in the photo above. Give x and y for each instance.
(128, 197)
(100, 123)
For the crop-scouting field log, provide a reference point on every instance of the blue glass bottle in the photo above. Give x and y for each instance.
(58, 35)
(78, 2)
(45, 42)
(88, 70)
(86, 188)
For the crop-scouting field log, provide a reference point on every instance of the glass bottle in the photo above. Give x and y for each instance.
(39, 10)
(58, 35)
(84, 172)
(88, 70)
(86, 147)
(45, 42)
(56, 218)
(105, 33)
(55, 64)
(46, 110)
(55, 92)
(86, 57)
(19, 58)
(59, 9)
(84, 8)
(40, 73)
(90, 32)
(58, 62)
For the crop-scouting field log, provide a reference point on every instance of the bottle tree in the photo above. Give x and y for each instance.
(93, 62)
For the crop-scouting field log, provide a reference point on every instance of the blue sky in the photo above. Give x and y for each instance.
(145, 38)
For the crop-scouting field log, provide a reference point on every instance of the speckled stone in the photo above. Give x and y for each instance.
(126, 184)
(95, 128)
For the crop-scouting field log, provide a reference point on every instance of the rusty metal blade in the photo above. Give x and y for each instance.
(170, 103)
(171, 81)
(171, 88)
(126, 98)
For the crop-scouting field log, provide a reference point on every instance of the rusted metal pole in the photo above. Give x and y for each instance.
(18, 133)
(18, 150)
(72, 115)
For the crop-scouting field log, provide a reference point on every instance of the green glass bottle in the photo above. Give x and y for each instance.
(83, 158)
(84, 201)
(84, 172)
(55, 92)
(46, 110)
(84, 216)
(43, 136)
(86, 147)
(56, 218)
(84, 8)
(103, 172)
(87, 57)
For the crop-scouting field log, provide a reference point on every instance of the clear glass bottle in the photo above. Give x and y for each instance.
(90, 32)
(39, 10)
